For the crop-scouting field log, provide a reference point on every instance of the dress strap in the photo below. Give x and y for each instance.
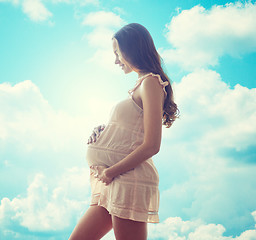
(139, 81)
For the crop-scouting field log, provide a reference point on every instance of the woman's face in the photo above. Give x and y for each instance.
(120, 59)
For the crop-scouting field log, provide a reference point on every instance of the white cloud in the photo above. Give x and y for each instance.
(220, 116)
(56, 204)
(100, 37)
(210, 153)
(219, 111)
(109, 236)
(199, 37)
(33, 130)
(103, 19)
(104, 26)
(254, 216)
(200, 177)
(48, 207)
(30, 123)
(174, 228)
(204, 187)
(36, 10)
(35, 137)
(247, 235)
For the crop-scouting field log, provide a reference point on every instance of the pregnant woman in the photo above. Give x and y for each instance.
(124, 180)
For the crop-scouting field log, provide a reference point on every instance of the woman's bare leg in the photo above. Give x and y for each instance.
(125, 229)
(95, 223)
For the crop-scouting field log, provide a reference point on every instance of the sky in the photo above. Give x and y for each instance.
(58, 81)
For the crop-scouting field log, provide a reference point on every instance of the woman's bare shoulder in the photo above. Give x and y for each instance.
(151, 85)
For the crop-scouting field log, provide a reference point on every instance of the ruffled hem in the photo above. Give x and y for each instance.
(119, 200)
(139, 81)
(131, 214)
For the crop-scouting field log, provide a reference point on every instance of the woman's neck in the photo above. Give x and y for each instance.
(141, 74)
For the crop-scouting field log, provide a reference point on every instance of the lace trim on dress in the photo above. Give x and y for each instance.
(139, 81)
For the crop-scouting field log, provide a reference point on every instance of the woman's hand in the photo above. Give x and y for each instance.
(100, 172)
(96, 133)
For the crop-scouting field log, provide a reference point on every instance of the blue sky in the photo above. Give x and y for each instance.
(58, 81)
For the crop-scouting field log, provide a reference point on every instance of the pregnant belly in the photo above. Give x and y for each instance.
(101, 156)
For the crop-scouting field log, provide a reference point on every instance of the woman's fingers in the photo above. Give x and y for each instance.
(97, 172)
(99, 129)
(95, 134)
(94, 171)
(90, 139)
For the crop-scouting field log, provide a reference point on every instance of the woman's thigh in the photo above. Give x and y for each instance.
(95, 223)
(126, 229)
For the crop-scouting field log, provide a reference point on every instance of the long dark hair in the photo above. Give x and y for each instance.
(138, 49)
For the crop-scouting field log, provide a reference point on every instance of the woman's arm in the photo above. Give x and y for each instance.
(152, 97)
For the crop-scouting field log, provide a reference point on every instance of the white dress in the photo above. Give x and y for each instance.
(133, 195)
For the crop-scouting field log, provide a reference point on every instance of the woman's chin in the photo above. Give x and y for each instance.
(127, 71)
